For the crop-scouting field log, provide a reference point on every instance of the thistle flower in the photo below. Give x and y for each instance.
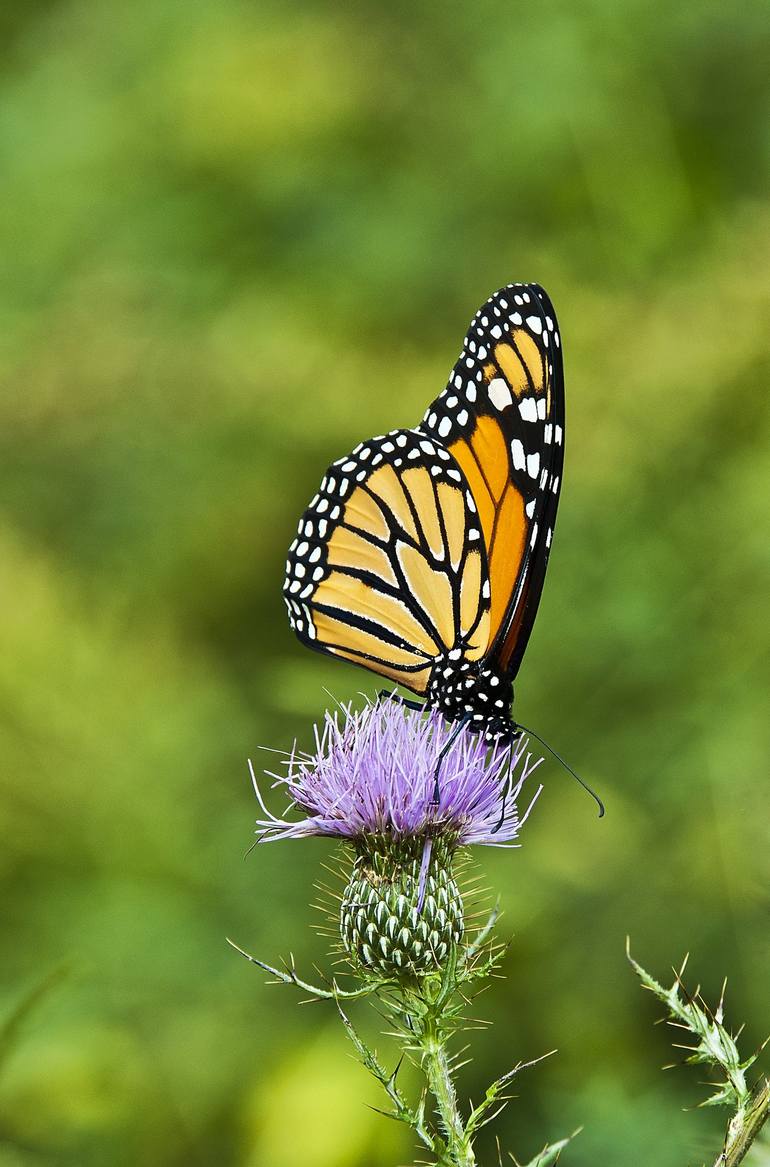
(373, 773)
(371, 780)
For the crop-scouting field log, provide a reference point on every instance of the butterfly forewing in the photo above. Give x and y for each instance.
(389, 568)
(501, 417)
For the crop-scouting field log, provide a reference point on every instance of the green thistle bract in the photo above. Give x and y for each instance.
(401, 913)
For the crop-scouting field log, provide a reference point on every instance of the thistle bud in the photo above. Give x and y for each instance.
(402, 912)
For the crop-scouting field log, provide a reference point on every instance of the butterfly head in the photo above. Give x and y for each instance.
(473, 691)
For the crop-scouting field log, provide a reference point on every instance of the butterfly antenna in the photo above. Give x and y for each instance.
(569, 769)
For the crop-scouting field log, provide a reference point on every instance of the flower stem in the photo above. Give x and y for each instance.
(745, 1126)
(439, 1075)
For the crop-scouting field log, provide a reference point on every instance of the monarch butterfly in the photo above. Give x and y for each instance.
(423, 555)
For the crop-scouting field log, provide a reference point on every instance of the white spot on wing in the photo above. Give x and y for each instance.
(528, 409)
(499, 393)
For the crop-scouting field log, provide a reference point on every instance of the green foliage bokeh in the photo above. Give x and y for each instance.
(236, 239)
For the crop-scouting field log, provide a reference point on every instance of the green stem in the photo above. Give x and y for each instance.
(745, 1126)
(439, 1075)
(290, 978)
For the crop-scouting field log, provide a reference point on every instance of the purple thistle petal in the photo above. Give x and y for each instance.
(372, 772)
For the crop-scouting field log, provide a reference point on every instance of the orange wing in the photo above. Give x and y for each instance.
(501, 417)
(389, 567)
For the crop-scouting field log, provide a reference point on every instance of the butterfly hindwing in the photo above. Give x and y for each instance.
(389, 568)
(501, 417)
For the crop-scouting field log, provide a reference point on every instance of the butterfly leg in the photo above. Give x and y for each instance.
(507, 784)
(389, 695)
(461, 724)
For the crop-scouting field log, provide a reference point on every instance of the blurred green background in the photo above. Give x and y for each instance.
(236, 239)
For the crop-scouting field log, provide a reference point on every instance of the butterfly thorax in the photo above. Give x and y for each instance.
(475, 692)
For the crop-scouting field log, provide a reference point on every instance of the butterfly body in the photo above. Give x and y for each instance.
(422, 556)
(472, 692)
